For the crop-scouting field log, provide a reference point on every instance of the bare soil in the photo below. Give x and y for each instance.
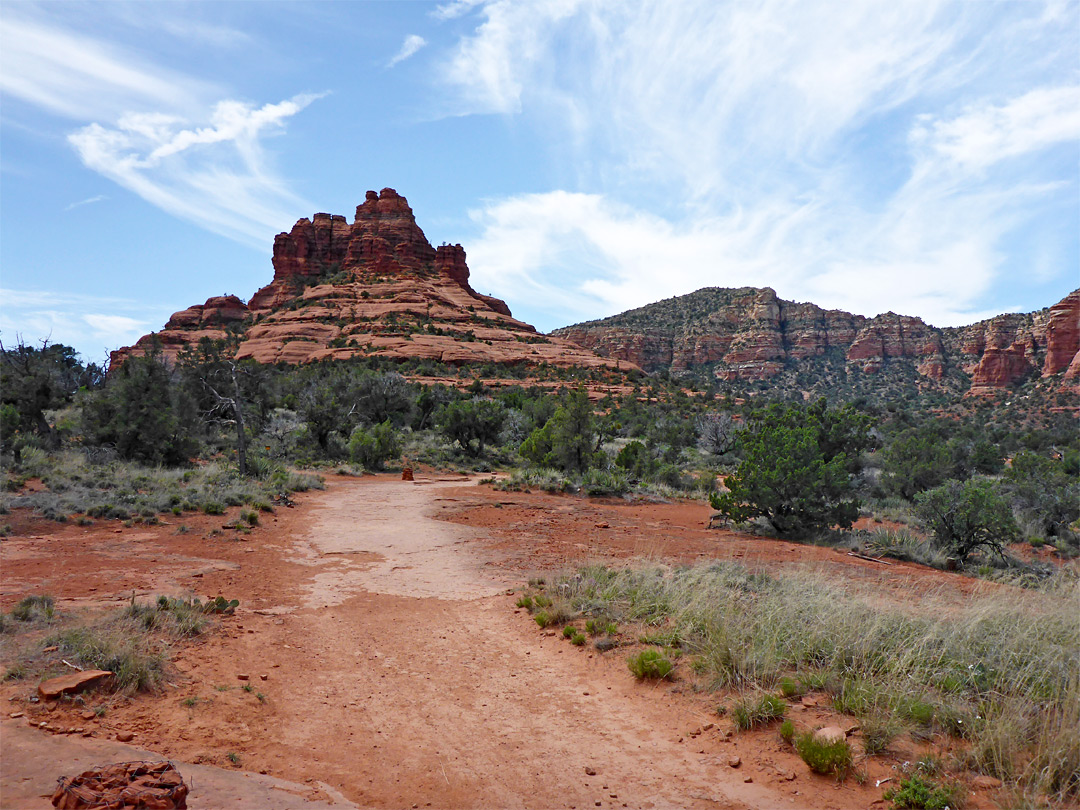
(386, 665)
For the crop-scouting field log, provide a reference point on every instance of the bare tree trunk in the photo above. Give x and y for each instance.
(238, 412)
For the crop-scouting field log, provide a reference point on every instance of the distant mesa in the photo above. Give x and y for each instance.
(750, 334)
(375, 287)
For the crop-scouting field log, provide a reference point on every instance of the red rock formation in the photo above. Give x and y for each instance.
(375, 287)
(1000, 367)
(1062, 334)
(751, 334)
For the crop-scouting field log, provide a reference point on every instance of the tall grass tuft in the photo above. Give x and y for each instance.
(1001, 669)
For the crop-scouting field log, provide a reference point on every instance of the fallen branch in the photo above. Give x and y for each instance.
(868, 559)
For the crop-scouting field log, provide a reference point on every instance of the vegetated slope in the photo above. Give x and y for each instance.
(748, 334)
(375, 287)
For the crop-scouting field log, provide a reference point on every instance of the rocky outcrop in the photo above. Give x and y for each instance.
(751, 334)
(1062, 334)
(375, 287)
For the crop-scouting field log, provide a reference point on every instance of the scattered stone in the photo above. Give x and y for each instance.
(16, 714)
(88, 715)
(851, 729)
(830, 734)
(808, 702)
(748, 779)
(125, 736)
(50, 649)
(734, 761)
(242, 677)
(787, 776)
(589, 771)
(984, 782)
(263, 677)
(132, 785)
(75, 682)
(603, 525)
(708, 726)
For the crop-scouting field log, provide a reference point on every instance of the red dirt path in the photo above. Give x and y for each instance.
(397, 671)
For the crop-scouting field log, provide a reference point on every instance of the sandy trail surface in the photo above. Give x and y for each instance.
(377, 660)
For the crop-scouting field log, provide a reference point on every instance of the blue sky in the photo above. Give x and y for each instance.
(591, 155)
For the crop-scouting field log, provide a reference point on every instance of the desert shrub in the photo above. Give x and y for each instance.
(965, 516)
(542, 478)
(1044, 496)
(916, 460)
(180, 617)
(789, 687)
(603, 482)
(750, 713)
(718, 432)
(824, 757)
(879, 729)
(373, 447)
(796, 469)
(473, 424)
(34, 608)
(916, 793)
(787, 731)
(141, 414)
(650, 664)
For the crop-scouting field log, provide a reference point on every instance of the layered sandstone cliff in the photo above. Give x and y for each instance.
(375, 287)
(751, 334)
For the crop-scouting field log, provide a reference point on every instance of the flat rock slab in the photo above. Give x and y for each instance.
(75, 682)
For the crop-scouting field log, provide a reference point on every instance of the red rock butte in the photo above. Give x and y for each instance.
(375, 287)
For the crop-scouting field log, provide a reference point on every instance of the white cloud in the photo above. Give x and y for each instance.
(76, 76)
(454, 9)
(159, 134)
(115, 327)
(412, 44)
(93, 325)
(87, 201)
(732, 144)
(986, 134)
(215, 175)
(561, 257)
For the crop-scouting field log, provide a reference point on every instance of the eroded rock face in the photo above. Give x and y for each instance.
(751, 334)
(372, 287)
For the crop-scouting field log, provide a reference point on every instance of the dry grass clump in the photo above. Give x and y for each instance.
(133, 643)
(126, 490)
(1001, 670)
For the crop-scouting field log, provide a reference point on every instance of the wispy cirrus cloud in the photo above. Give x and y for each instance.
(216, 175)
(878, 158)
(88, 201)
(79, 77)
(168, 137)
(412, 44)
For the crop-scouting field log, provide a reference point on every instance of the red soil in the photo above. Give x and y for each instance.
(377, 622)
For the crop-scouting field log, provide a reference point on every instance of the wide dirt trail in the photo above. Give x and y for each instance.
(405, 678)
(377, 660)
